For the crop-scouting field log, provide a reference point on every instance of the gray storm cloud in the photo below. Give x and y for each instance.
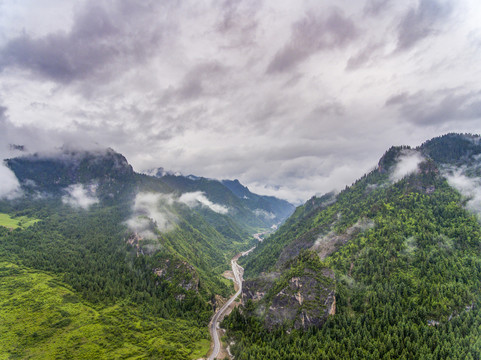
(421, 21)
(441, 106)
(289, 98)
(313, 33)
(104, 37)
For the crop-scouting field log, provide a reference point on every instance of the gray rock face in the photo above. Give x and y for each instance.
(298, 301)
(179, 273)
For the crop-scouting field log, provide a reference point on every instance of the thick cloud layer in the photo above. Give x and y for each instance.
(313, 33)
(9, 185)
(422, 20)
(291, 98)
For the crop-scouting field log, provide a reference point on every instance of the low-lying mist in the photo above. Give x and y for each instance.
(407, 163)
(80, 196)
(148, 208)
(155, 211)
(198, 198)
(467, 186)
(9, 185)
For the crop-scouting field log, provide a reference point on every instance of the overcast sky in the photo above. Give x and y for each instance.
(293, 98)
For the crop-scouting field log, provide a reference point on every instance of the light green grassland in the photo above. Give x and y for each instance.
(13, 223)
(41, 318)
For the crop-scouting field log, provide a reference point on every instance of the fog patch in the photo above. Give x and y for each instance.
(410, 245)
(198, 198)
(264, 214)
(143, 226)
(328, 243)
(9, 185)
(468, 187)
(80, 196)
(150, 211)
(407, 163)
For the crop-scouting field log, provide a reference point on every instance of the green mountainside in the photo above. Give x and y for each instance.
(403, 244)
(98, 261)
(140, 258)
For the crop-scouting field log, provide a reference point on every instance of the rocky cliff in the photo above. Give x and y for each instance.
(303, 296)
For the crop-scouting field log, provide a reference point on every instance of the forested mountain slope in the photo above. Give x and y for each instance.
(403, 247)
(143, 255)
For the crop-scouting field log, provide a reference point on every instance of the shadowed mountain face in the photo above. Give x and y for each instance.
(267, 206)
(107, 169)
(111, 171)
(70, 167)
(399, 249)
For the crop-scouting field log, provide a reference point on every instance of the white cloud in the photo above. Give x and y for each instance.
(80, 196)
(151, 207)
(468, 187)
(198, 198)
(142, 226)
(407, 163)
(153, 210)
(9, 185)
(265, 214)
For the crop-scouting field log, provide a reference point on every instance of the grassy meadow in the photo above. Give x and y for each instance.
(41, 318)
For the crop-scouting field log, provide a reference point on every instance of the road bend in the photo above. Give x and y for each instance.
(219, 315)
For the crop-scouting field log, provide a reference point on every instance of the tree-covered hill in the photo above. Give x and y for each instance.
(144, 254)
(404, 244)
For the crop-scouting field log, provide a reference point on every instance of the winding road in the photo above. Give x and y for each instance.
(219, 315)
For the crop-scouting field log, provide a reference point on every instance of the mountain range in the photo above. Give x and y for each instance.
(98, 261)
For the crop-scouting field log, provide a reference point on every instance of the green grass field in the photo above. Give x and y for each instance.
(13, 223)
(41, 318)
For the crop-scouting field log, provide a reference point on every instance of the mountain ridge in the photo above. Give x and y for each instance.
(404, 247)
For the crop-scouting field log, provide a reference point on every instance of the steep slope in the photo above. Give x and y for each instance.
(405, 254)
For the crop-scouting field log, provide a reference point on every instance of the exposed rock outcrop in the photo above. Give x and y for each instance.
(327, 244)
(303, 297)
(180, 273)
